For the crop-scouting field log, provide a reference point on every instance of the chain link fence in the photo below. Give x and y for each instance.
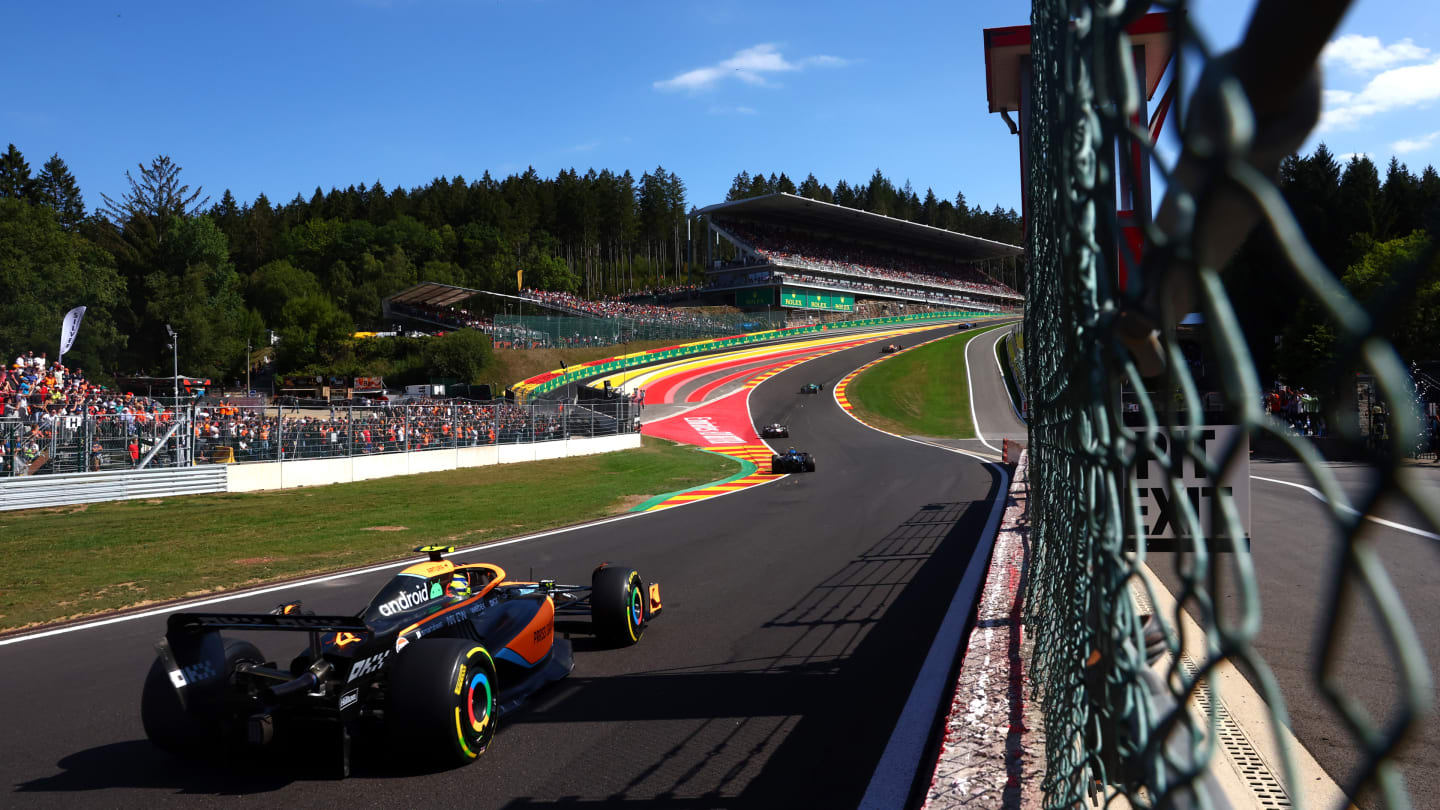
(92, 443)
(1108, 668)
(223, 433)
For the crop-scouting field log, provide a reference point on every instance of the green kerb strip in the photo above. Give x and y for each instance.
(746, 468)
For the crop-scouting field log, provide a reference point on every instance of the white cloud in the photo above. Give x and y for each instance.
(583, 147)
(1366, 54)
(750, 66)
(1416, 144)
(717, 109)
(1409, 86)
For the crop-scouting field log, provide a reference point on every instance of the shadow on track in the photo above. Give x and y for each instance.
(762, 727)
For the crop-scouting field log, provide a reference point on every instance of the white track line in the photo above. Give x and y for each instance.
(995, 352)
(970, 389)
(895, 774)
(1320, 496)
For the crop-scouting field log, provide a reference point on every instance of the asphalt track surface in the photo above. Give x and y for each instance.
(797, 615)
(1295, 550)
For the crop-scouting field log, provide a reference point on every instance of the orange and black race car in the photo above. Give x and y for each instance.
(437, 657)
(891, 348)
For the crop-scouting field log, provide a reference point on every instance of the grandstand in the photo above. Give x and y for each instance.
(796, 253)
(537, 319)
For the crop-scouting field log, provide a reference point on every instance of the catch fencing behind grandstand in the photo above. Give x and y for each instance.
(1115, 722)
(220, 433)
(567, 331)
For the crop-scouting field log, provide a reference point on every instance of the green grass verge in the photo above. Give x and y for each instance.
(922, 392)
(76, 561)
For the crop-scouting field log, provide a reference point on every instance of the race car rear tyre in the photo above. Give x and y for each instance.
(810, 465)
(166, 722)
(618, 605)
(442, 700)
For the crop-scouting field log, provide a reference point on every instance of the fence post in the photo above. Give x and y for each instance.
(279, 432)
(350, 429)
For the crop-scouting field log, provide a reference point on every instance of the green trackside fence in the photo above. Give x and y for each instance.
(554, 380)
(1109, 678)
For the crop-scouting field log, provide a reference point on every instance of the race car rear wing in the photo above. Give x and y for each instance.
(205, 622)
(193, 652)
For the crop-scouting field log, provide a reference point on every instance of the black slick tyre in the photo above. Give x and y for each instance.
(442, 700)
(618, 605)
(169, 726)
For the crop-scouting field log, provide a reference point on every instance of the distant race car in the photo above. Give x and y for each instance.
(775, 430)
(962, 327)
(440, 653)
(891, 348)
(812, 388)
(792, 461)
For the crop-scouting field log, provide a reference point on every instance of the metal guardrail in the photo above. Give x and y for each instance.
(1117, 724)
(36, 492)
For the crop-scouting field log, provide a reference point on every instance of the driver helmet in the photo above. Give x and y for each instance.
(459, 588)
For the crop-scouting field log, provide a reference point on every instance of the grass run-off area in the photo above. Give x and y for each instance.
(922, 392)
(75, 561)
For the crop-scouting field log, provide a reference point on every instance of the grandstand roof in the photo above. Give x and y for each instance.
(802, 212)
(431, 293)
(435, 294)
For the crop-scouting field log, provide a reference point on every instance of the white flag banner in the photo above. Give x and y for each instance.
(69, 329)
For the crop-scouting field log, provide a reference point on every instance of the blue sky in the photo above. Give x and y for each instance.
(281, 97)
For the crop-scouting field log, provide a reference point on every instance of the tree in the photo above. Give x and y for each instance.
(880, 195)
(44, 272)
(312, 331)
(785, 184)
(195, 288)
(1360, 202)
(277, 282)
(1403, 214)
(1415, 328)
(461, 355)
(57, 190)
(15, 181)
(156, 196)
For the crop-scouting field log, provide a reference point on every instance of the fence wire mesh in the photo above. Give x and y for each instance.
(218, 432)
(1109, 677)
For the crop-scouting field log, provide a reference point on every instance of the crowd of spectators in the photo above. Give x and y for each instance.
(929, 296)
(786, 247)
(45, 403)
(1297, 408)
(261, 434)
(620, 307)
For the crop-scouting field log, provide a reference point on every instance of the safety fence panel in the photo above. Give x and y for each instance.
(1108, 674)
(225, 434)
(35, 492)
(49, 444)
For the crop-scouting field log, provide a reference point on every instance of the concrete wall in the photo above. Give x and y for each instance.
(320, 471)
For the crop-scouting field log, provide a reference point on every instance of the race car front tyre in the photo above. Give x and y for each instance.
(442, 700)
(618, 609)
(169, 726)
